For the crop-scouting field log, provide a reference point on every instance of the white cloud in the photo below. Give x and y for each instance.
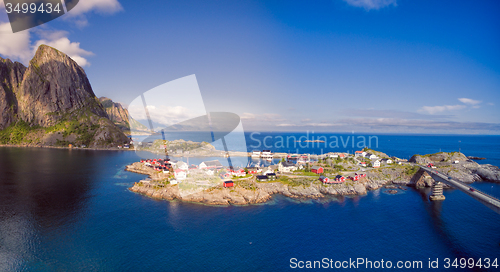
(58, 40)
(372, 113)
(371, 4)
(381, 123)
(15, 45)
(18, 46)
(469, 101)
(77, 14)
(264, 117)
(164, 115)
(437, 109)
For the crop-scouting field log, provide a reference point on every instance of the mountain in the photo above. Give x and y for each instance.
(120, 116)
(11, 76)
(51, 102)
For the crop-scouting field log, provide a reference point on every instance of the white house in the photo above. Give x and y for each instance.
(370, 156)
(334, 155)
(267, 170)
(387, 161)
(285, 167)
(173, 162)
(210, 172)
(182, 165)
(210, 164)
(376, 164)
(173, 181)
(180, 174)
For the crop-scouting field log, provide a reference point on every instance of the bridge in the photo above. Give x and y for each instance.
(489, 201)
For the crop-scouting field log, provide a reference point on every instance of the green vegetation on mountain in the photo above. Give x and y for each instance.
(51, 103)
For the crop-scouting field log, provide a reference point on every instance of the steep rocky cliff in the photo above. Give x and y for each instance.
(11, 76)
(52, 103)
(120, 116)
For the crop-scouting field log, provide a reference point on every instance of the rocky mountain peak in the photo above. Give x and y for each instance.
(54, 85)
(51, 102)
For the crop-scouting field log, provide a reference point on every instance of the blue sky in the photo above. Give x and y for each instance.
(392, 66)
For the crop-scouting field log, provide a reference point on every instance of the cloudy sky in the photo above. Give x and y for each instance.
(391, 66)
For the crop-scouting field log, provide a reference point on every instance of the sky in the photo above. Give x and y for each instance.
(363, 66)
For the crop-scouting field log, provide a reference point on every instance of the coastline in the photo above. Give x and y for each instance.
(72, 148)
(301, 185)
(252, 191)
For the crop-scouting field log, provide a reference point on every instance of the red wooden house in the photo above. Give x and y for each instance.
(324, 179)
(360, 175)
(228, 183)
(225, 175)
(237, 172)
(252, 170)
(317, 169)
(339, 179)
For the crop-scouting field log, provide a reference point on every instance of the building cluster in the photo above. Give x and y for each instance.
(341, 179)
(293, 162)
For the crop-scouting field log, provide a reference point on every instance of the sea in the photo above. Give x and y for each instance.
(70, 210)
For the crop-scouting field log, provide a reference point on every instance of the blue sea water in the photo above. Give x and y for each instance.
(70, 210)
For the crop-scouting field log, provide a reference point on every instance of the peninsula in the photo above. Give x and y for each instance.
(331, 175)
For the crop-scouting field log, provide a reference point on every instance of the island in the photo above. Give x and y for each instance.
(332, 174)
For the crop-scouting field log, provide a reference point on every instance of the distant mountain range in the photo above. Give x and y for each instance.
(51, 103)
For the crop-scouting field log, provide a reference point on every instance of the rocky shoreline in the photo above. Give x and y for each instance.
(238, 195)
(393, 178)
(65, 147)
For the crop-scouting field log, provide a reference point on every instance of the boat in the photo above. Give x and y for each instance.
(266, 155)
(304, 159)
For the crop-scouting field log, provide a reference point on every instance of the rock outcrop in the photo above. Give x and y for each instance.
(437, 158)
(52, 102)
(120, 116)
(488, 172)
(11, 76)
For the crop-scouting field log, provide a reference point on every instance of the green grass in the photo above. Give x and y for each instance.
(306, 173)
(246, 184)
(294, 182)
(245, 176)
(16, 133)
(411, 170)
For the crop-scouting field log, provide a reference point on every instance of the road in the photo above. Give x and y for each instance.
(489, 201)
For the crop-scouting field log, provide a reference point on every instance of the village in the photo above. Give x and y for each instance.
(330, 168)
(301, 176)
